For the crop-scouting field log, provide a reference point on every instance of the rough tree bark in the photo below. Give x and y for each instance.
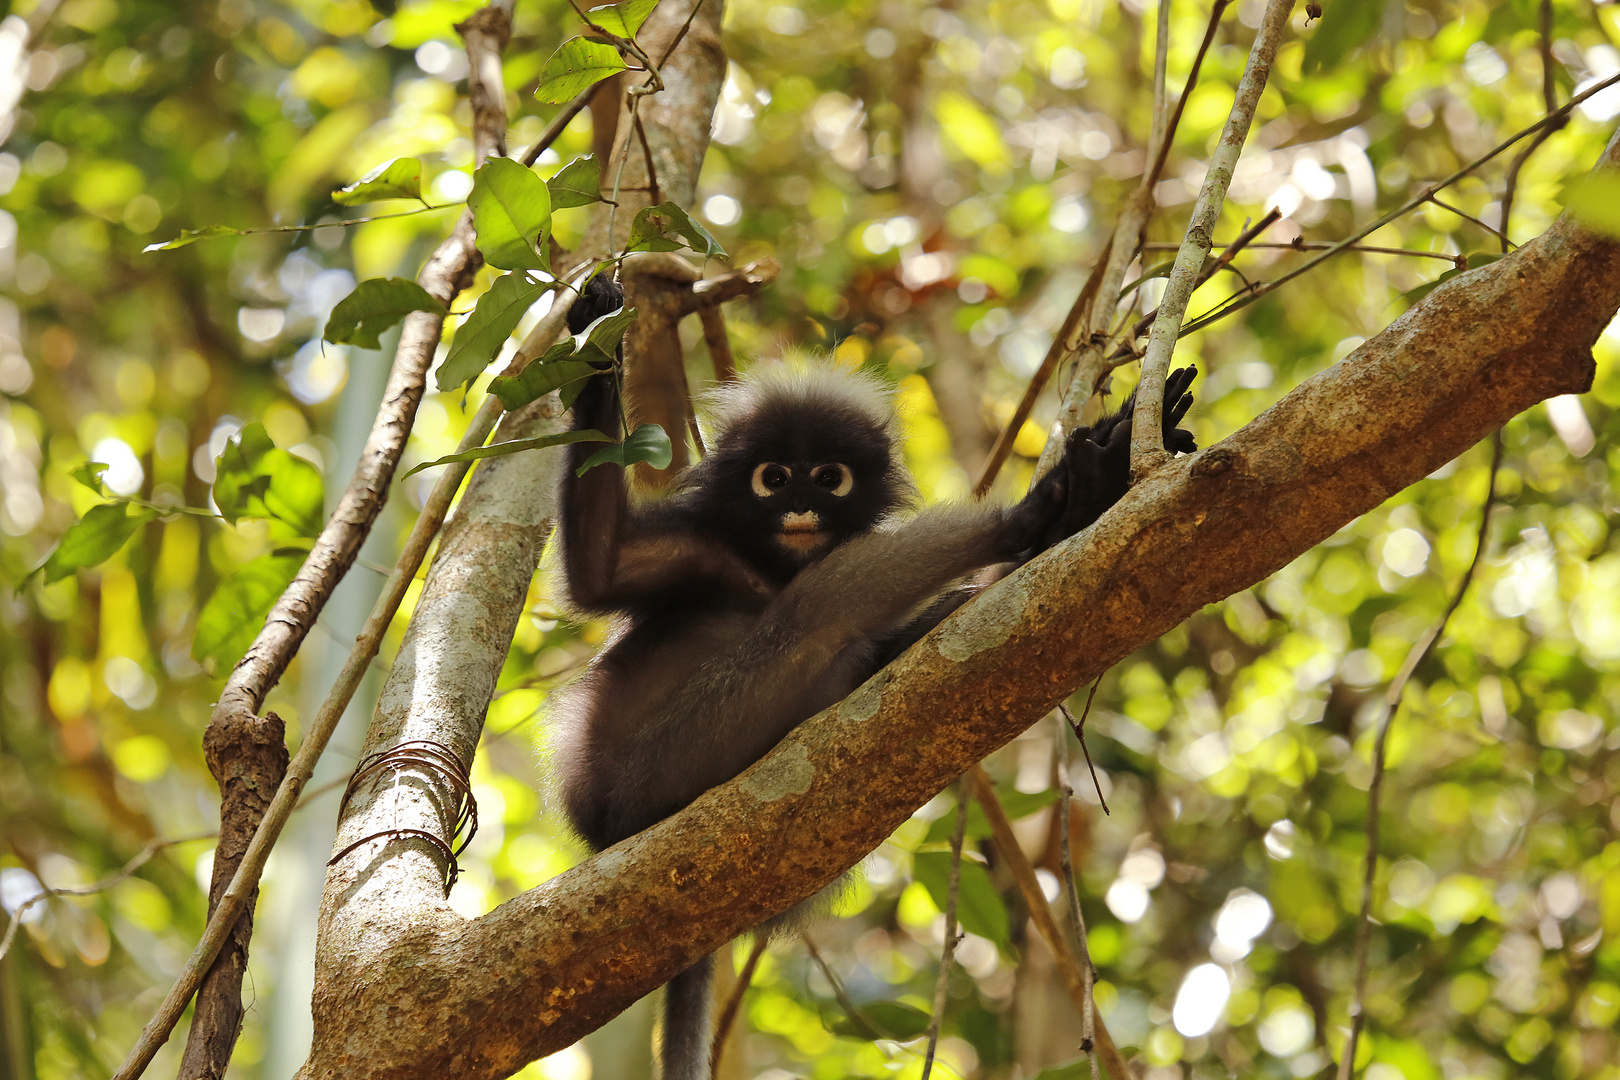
(409, 988)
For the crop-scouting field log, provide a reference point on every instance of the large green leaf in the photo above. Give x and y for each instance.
(93, 539)
(400, 178)
(492, 321)
(539, 379)
(647, 443)
(501, 449)
(623, 19)
(375, 305)
(578, 183)
(511, 209)
(577, 65)
(978, 905)
(666, 227)
(235, 613)
(255, 478)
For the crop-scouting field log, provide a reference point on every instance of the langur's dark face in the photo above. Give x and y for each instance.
(791, 488)
(810, 502)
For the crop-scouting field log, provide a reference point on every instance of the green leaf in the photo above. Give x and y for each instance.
(501, 449)
(599, 342)
(1078, 1069)
(577, 183)
(89, 474)
(647, 443)
(191, 236)
(375, 305)
(254, 478)
(978, 905)
(1477, 260)
(890, 1019)
(656, 227)
(1343, 29)
(235, 613)
(576, 65)
(92, 539)
(623, 19)
(539, 379)
(511, 209)
(970, 130)
(480, 338)
(1017, 804)
(400, 178)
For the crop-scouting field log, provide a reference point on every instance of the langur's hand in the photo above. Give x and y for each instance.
(600, 296)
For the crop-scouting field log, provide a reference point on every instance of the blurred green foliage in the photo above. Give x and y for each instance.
(935, 181)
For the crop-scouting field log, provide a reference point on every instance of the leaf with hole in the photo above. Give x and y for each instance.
(374, 306)
(647, 443)
(978, 905)
(93, 539)
(511, 208)
(400, 178)
(479, 339)
(623, 19)
(578, 183)
(236, 612)
(255, 478)
(656, 228)
(577, 65)
(501, 449)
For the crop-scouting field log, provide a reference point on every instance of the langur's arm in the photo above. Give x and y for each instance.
(613, 553)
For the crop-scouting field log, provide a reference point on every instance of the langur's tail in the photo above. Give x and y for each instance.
(686, 1022)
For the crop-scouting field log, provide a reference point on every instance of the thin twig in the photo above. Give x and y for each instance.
(141, 858)
(1466, 216)
(1088, 1023)
(1147, 434)
(1079, 728)
(845, 1002)
(1061, 346)
(1235, 304)
(1124, 243)
(728, 1015)
(948, 950)
(1075, 981)
(1163, 155)
(1392, 702)
(1318, 245)
(1549, 94)
(558, 123)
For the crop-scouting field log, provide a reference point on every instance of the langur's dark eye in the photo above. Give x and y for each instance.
(836, 479)
(770, 478)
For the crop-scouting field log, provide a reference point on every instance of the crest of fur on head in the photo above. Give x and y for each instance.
(797, 401)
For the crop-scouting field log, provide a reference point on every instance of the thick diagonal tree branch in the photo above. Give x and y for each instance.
(413, 989)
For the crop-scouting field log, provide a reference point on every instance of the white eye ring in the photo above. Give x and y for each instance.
(846, 479)
(764, 490)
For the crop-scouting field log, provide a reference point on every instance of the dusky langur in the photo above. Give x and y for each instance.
(772, 582)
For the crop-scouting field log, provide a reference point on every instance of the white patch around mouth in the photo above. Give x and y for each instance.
(801, 532)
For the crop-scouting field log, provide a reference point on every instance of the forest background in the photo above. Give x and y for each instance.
(935, 182)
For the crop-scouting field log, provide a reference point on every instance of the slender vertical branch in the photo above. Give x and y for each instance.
(1088, 1018)
(1075, 981)
(947, 952)
(1090, 367)
(1392, 702)
(1147, 436)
